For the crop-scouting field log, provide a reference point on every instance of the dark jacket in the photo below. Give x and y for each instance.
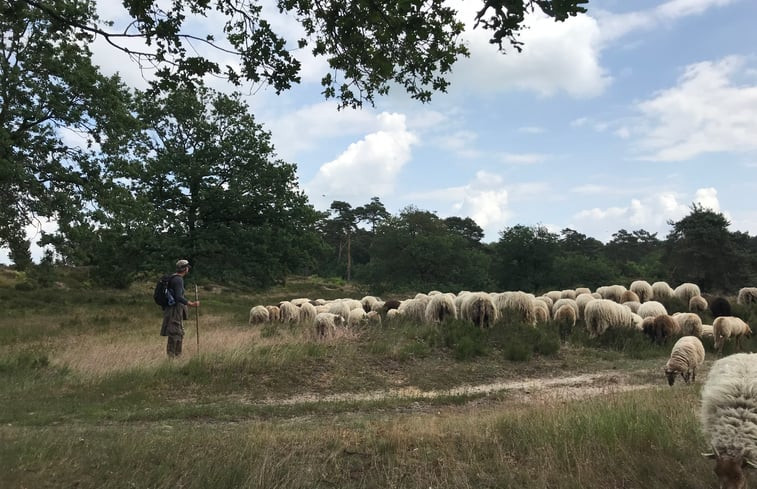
(176, 284)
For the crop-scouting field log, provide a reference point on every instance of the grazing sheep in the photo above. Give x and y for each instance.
(686, 291)
(643, 290)
(549, 302)
(341, 308)
(308, 312)
(581, 301)
(299, 301)
(633, 306)
(565, 317)
(568, 294)
(392, 314)
(479, 308)
(258, 315)
(612, 292)
(726, 327)
(697, 304)
(377, 306)
(326, 323)
(322, 308)
(414, 309)
(603, 314)
(554, 295)
(687, 355)
(355, 318)
(440, 308)
(570, 302)
(391, 304)
(289, 312)
(690, 323)
(274, 313)
(662, 328)
(661, 291)
(353, 303)
(582, 290)
(516, 306)
(651, 308)
(708, 331)
(368, 302)
(629, 296)
(728, 417)
(596, 295)
(373, 318)
(747, 295)
(720, 306)
(541, 312)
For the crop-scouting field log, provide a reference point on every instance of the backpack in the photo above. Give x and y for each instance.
(163, 296)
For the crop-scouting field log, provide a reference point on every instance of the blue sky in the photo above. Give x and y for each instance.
(617, 119)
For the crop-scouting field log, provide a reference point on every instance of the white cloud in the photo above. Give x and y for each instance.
(368, 167)
(650, 212)
(33, 234)
(531, 130)
(706, 112)
(522, 158)
(485, 200)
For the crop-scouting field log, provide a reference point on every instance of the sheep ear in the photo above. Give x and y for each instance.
(710, 455)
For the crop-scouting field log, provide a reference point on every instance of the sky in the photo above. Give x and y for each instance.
(620, 118)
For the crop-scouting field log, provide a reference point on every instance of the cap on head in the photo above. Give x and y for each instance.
(182, 265)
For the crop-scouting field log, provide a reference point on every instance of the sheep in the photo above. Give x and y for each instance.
(355, 317)
(414, 309)
(321, 308)
(516, 306)
(662, 328)
(720, 306)
(633, 306)
(341, 308)
(697, 304)
(612, 292)
(651, 308)
(373, 318)
(726, 327)
(582, 290)
(690, 323)
(299, 301)
(687, 355)
(581, 301)
(368, 302)
(661, 291)
(642, 289)
(554, 295)
(541, 312)
(686, 291)
(596, 295)
(568, 294)
(440, 308)
(258, 315)
(708, 331)
(728, 417)
(391, 304)
(557, 305)
(308, 312)
(747, 295)
(629, 296)
(565, 317)
(289, 312)
(326, 323)
(274, 313)
(353, 303)
(392, 314)
(549, 302)
(479, 308)
(602, 314)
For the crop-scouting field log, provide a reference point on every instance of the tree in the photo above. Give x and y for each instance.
(700, 249)
(369, 44)
(465, 227)
(524, 258)
(345, 224)
(49, 86)
(373, 213)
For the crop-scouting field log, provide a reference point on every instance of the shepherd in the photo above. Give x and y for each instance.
(174, 315)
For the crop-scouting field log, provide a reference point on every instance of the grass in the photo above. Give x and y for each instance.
(89, 399)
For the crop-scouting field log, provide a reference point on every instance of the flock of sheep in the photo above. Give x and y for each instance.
(729, 397)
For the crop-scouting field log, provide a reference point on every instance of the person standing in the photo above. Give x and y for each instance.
(174, 315)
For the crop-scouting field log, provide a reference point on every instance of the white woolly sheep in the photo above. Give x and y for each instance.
(661, 291)
(642, 289)
(728, 416)
(581, 301)
(612, 292)
(373, 318)
(321, 308)
(299, 301)
(377, 306)
(651, 308)
(629, 296)
(555, 295)
(541, 312)
(690, 323)
(289, 312)
(685, 358)
(353, 303)
(326, 323)
(596, 295)
(516, 306)
(708, 331)
(368, 302)
(565, 317)
(479, 308)
(570, 302)
(549, 302)
(633, 306)
(308, 313)
(355, 317)
(568, 294)
(698, 304)
(440, 308)
(686, 291)
(274, 314)
(414, 309)
(341, 308)
(582, 290)
(258, 315)
(603, 314)
(392, 314)
(726, 327)
(747, 295)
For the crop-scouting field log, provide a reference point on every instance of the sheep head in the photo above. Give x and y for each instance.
(730, 470)
(671, 375)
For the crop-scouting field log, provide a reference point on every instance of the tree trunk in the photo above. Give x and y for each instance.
(349, 257)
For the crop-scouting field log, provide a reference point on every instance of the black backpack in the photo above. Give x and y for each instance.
(163, 296)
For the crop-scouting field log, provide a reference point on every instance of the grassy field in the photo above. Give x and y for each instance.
(89, 399)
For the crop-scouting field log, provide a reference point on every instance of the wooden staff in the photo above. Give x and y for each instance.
(197, 319)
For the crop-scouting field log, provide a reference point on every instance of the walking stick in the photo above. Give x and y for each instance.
(197, 319)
